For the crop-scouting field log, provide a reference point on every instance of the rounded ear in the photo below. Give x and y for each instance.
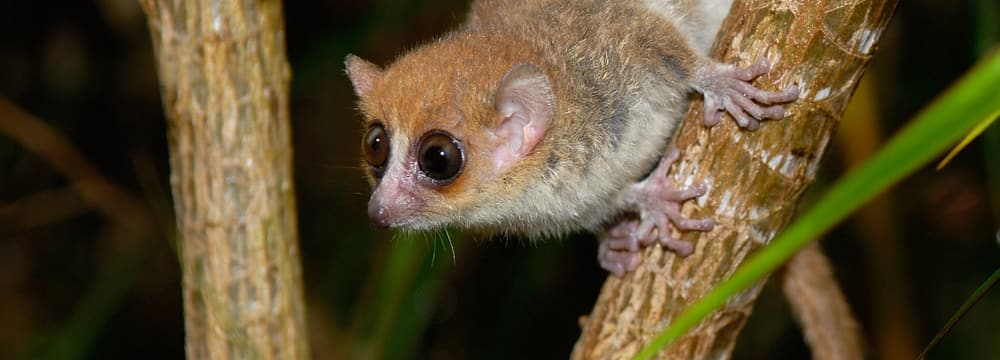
(363, 74)
(524, 104)
(524, 89)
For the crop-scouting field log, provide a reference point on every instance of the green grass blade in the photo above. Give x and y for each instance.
(409, 279)
(972, 135)
(986, 24)
(964, 309)
(942, 124)
(89, 322)
(986, 16)
(399, 275)
(416, 309)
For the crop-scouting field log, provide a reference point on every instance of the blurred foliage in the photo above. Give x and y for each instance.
(79, 288)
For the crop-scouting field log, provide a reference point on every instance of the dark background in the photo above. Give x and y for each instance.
(75, 287)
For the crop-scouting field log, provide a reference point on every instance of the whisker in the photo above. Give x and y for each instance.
(433, 249)
(451, 244)
(392, 239)
(325, 165)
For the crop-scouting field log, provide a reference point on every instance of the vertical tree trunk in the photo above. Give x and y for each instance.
(755, 178)
(225, 83)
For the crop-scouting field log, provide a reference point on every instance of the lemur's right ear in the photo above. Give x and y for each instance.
(524, 109)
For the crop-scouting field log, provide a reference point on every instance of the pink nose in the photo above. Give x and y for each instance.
(379, 213)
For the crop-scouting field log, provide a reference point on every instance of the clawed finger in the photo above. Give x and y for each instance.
(759, 112)
(712, 111)
(742, 118)
(684, 194)
(760, 67)
(790, 93)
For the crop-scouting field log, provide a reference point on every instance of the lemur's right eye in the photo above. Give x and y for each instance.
(376, 148)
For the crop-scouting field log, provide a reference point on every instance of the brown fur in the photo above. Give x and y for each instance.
(619, 72)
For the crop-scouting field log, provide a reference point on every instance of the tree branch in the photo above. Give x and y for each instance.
(225, 83)
(37, 136)
(755, 178)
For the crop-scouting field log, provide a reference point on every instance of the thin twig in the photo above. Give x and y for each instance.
(40, 138)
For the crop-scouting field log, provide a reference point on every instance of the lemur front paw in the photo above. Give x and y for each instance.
(657, 201)
(727, 88)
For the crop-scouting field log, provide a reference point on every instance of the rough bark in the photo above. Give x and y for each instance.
(225, 85)
(755, 178)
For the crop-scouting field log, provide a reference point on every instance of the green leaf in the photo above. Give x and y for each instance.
(951, 116)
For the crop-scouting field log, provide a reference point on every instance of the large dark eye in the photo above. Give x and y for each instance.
(376, 147)
(440, 156)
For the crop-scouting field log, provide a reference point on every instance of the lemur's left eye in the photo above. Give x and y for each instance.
(440, 156)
